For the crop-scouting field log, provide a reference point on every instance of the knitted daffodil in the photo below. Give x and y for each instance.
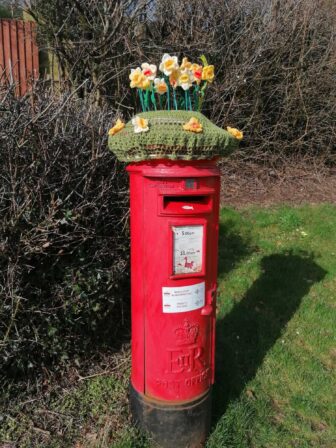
(168, 64)
(185, 79)
(149, 70)
(193, 125)
(236, 133)
(160, 86)
(140, 124)
(136, 77)
(117, 127)
(186, 64)
(208, 73)
(197, 71)
(173, 78)
(139, 80)
(145, 83)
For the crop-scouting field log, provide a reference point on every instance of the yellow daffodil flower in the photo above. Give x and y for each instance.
(186, 64)
(136, 77)
(145, 83)
(197, 71)
(160, 86)
(140, 124)
(149, 70)
(208, 73)
(193, 125)
(173, 78)
(185, 79)
(235, 133)
(168, 64)
(117, 127)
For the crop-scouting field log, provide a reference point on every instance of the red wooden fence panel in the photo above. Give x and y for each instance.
(19, 63)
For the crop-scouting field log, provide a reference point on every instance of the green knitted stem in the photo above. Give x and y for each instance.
(166, 139)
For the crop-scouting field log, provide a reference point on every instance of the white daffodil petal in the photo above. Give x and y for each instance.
(137, 129)
(168, 64)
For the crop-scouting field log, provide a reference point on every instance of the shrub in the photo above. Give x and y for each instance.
(275, 60)
(63, 232)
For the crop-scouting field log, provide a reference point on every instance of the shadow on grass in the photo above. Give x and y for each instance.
(232, 247)
(250, 330)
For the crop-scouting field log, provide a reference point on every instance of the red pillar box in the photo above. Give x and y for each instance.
(174, 190)
(174, 238)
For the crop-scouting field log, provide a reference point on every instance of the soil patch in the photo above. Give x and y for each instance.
(292, 181)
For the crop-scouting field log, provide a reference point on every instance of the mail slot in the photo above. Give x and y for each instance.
(185, 204)
(174, 238)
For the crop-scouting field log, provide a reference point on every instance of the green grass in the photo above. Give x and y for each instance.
(276, 348)
(276, 345)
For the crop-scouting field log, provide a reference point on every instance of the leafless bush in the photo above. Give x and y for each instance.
(63, 229)
(275, 60)
(63, 250)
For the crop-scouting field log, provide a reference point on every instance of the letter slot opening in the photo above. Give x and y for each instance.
(186, 204)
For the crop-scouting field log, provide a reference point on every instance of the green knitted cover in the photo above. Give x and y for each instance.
(166, 139)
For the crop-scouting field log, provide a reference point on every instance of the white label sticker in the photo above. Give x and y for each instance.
(187, 249)
(183, 298)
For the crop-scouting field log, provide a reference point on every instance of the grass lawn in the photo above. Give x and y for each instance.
(276, 347)
(276, 333)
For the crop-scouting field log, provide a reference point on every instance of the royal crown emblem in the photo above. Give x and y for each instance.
(187, 334)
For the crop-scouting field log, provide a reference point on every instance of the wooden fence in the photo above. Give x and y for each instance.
(19, 63)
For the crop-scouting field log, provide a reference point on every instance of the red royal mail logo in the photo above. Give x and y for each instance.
(187, 357)
(187, 334)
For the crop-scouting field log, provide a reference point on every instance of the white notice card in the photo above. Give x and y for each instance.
(183, 298)
(187, 249)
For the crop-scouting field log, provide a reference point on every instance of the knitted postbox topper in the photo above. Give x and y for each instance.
(171, 125)
(167, 137)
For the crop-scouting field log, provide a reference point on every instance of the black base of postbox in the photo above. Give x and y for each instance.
(182, 425)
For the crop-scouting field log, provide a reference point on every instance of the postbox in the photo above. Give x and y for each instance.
(174, 202)
(174, 238)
